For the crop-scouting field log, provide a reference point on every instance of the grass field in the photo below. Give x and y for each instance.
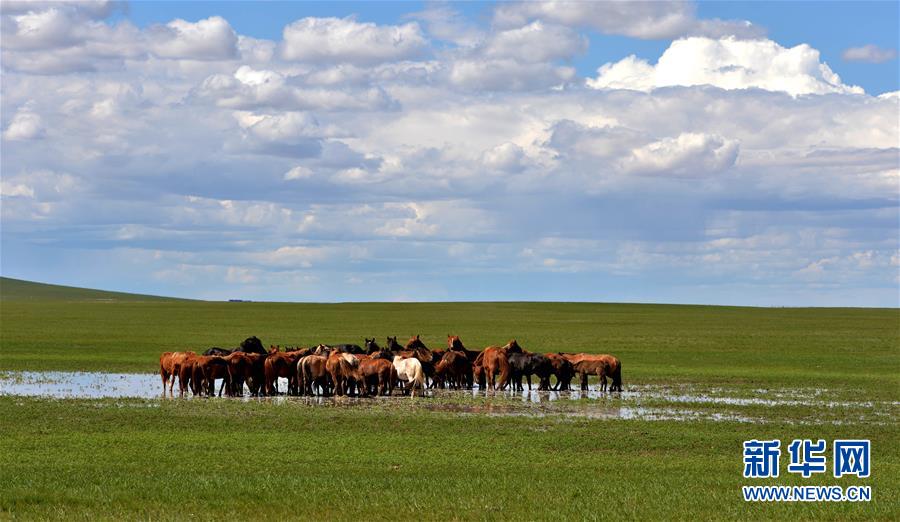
(402, 458)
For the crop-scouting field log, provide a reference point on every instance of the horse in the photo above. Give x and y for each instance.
(239, 370)
(454, 369)
(602, 366)
(562, 369)
(281, 364)
(312, 375)
(341, 367)
(492, 361)
(215, 350)
(186, 375)
(170, 367)
(251, 345)
(208, 368)
(371, 346)
(409, 370)
(375, 375)
(528, 364)
(456, 345)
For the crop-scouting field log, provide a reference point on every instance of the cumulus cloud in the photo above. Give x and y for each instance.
(727, 63)
(208, 39)
(346, 40)
(505, 74)
(506, 156)
(25, 125)
(209, 159)
(687, 155)
(298, 172)
(250, 88)
(536, 42)
(652, 20)
(869, 53)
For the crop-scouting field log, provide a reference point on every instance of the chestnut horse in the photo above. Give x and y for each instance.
(281, 364)
(375, 375)
(454, 369)
(208, 368)
(341, 367)
(170, 367)
(493, 361)
(456, 345)
(312, 375)
(602, 365)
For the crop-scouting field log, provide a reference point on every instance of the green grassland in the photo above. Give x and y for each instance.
(833, 347)
(412, 458)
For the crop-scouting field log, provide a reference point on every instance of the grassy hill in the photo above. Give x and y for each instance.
(47, 327)
(20, 290)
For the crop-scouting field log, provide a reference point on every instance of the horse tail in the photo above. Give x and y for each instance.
(301, 376)
(616, 375)
(504, 371)
(420, 378)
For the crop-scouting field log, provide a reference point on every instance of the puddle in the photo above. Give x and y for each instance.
(636, 402)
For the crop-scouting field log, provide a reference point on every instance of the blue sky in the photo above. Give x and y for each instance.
(723, 152)
(830, 27)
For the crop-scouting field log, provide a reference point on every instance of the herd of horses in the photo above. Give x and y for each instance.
(348, 369)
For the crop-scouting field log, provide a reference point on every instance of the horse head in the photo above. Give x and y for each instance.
(372, 346)
(513, 347)
(252, 345)
(453, 343)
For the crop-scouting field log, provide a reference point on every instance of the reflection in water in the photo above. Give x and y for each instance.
(647, 402)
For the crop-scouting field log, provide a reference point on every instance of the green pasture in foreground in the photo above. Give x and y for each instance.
(60, 328)
(395, 459)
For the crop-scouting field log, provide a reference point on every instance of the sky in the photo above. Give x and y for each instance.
(741, 153)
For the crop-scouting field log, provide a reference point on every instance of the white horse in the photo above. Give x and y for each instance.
(410, 370)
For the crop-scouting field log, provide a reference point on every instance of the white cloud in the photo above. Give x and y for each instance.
(8, 189)
(208, 39)
(346, 40)
(25, 125)
(687, 155)
(652, 20)
(506, 156)
(298, 172)
(727, 63)
(505, 74)
(536, 42)
(869, 53)
(302, 172)
(250, 88)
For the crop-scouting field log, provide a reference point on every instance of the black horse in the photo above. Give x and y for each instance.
(248, 345)
(526, 365)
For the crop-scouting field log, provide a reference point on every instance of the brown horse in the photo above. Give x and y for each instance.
(601, 365)
(312, 375)
(562, 369)
(170, 367)
(240, 370)
(493, 361)
(281, 364)
(454, 369)
(456, 345)
(341, 367)
(186, 374)
(375, 375)
(208, 368)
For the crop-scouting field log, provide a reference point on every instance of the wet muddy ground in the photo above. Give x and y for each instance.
(645, 402)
